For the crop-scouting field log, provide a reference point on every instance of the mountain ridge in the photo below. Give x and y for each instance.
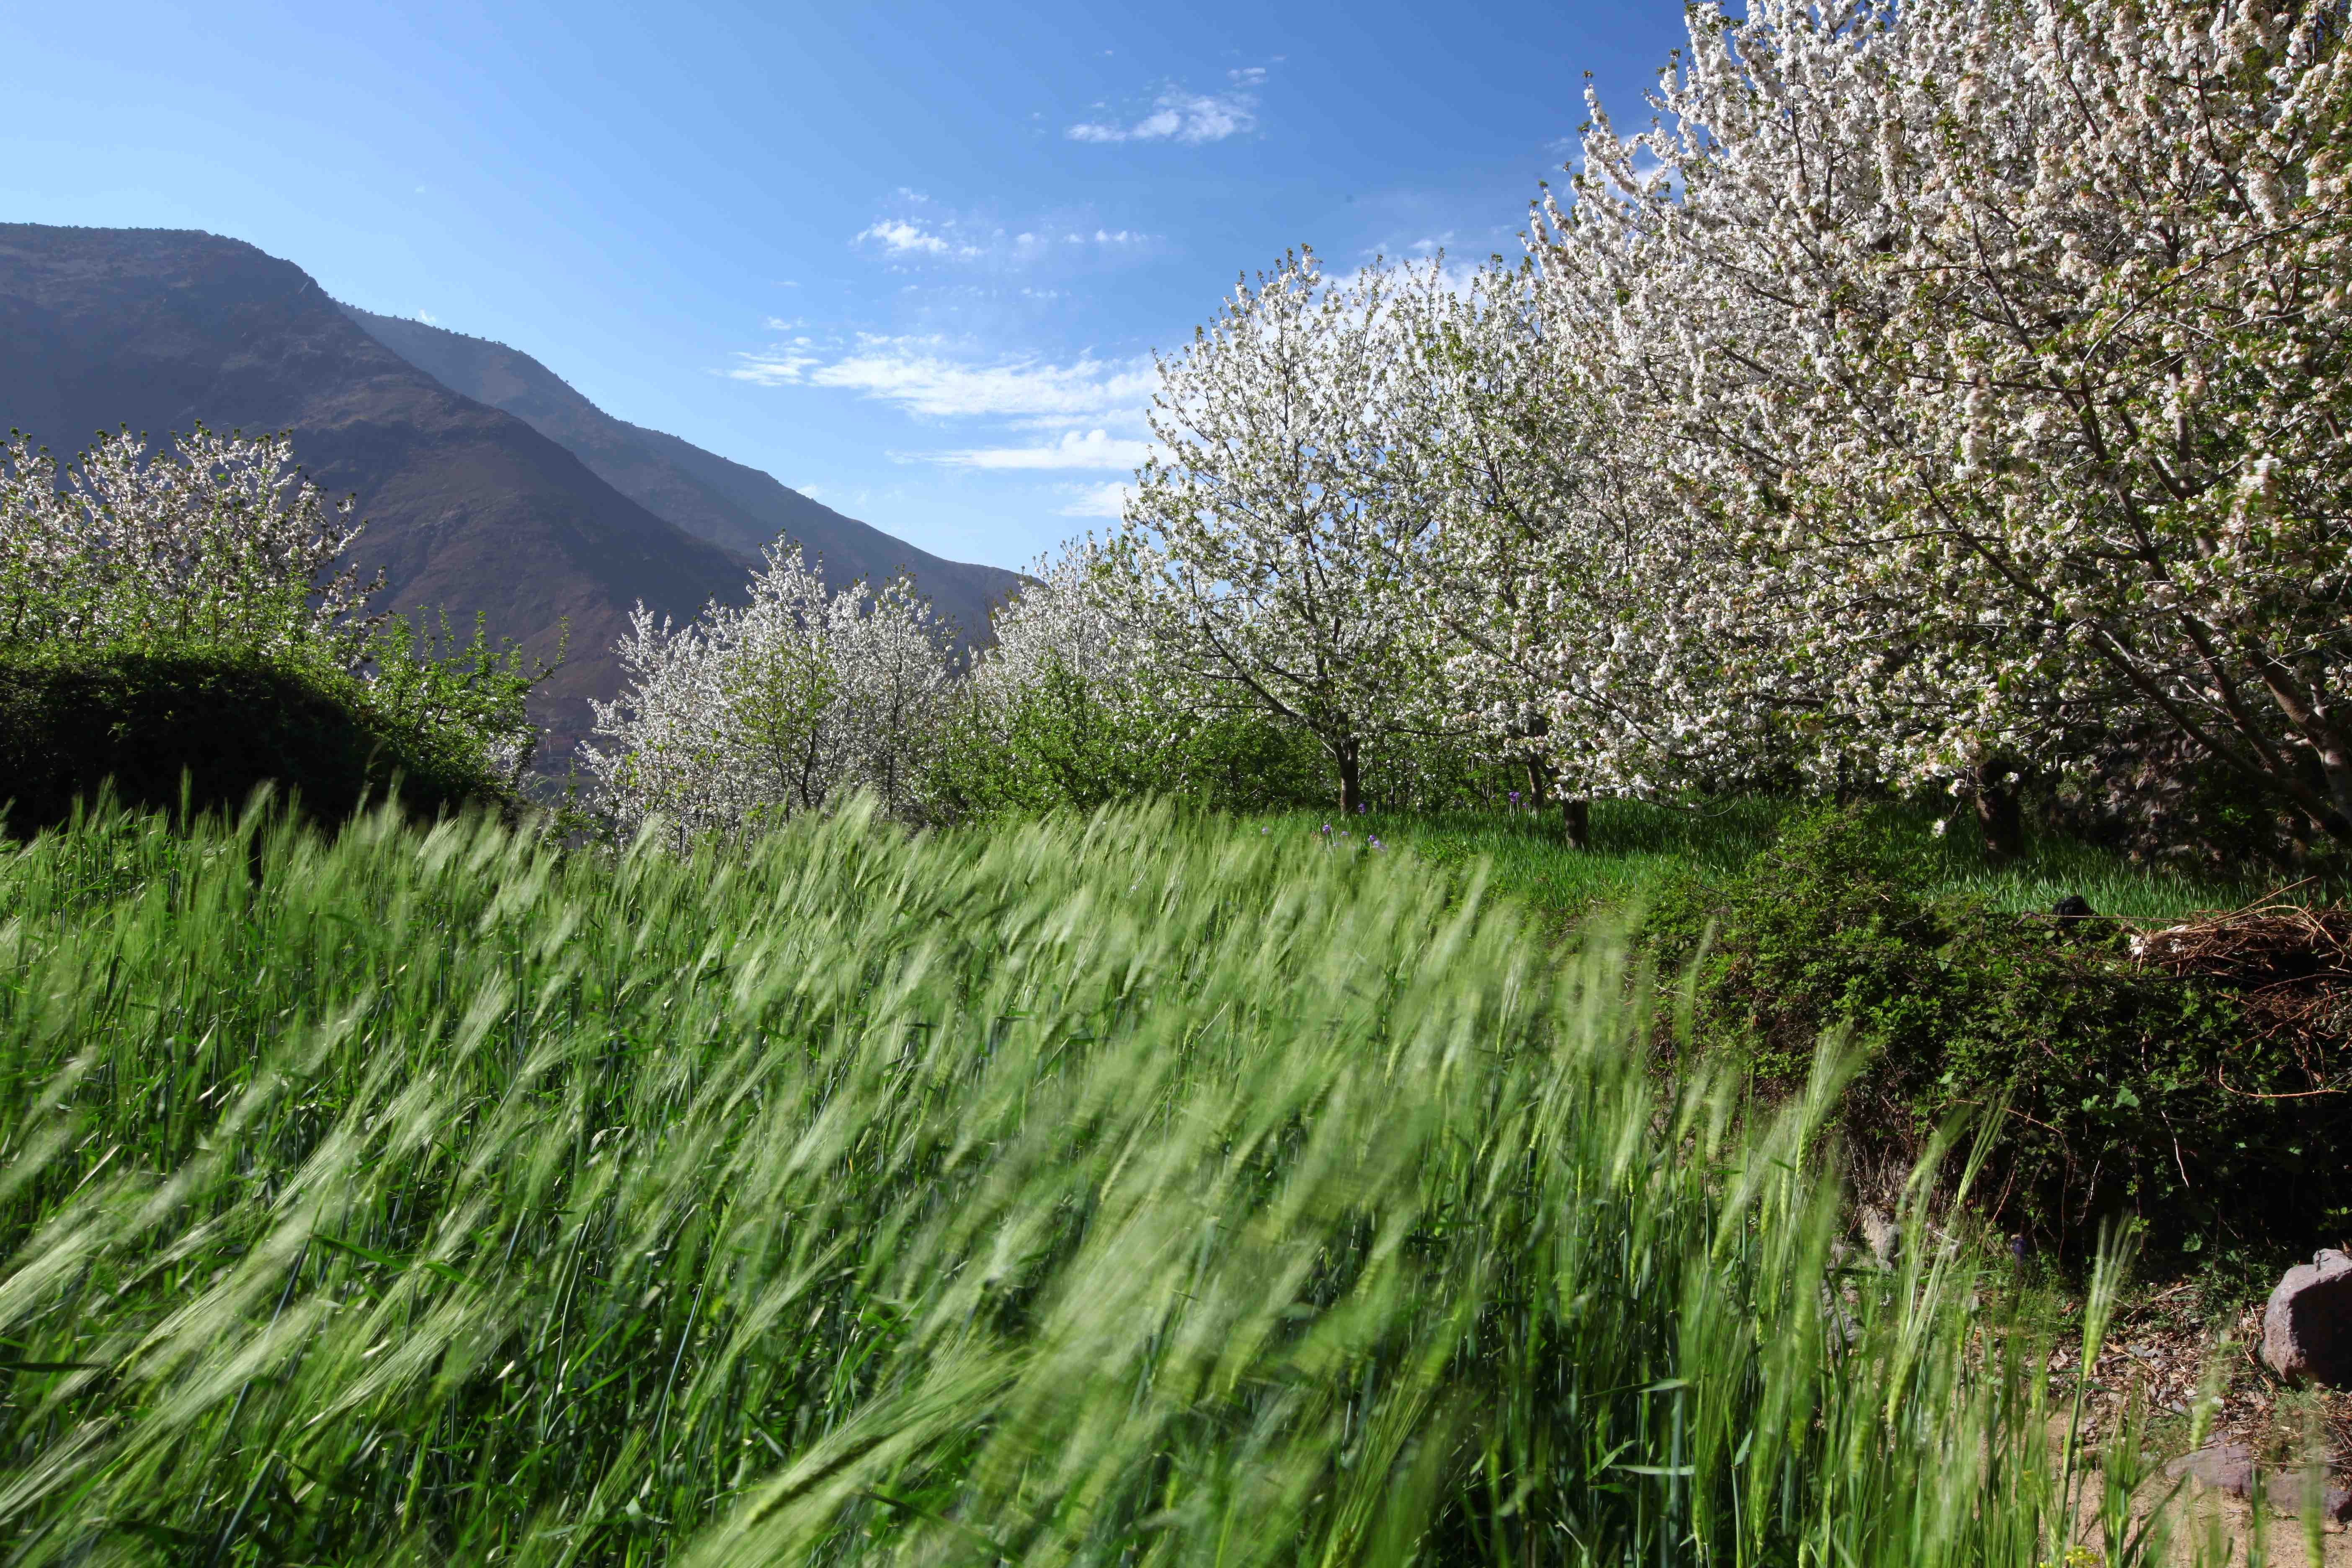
(468, 509)
(741, 508)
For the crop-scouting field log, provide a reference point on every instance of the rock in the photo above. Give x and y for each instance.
(2227, 1467)
(2230, 1468)
(2307, 1327)
(1884, 1235)
(2074, 907)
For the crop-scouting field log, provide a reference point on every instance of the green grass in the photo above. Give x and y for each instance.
(1636, 844)
(1130, 1190)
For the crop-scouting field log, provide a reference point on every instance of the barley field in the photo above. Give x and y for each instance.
(1116, 1191)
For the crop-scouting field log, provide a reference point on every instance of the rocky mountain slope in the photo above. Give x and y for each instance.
(740, 509)
(488, 484)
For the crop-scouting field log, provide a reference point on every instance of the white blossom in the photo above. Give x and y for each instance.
(1260, 546)
(750, 714)
(2005, 346)
(222, 540)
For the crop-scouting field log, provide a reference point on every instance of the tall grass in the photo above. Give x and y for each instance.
(1103, 1192)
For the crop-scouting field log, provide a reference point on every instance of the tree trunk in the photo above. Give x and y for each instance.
(1998, 811)
(1575, 811)
(1351, 781)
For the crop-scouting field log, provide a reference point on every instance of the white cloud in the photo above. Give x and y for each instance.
(948, 238)
(1093, 450)
(900, 237)
(912, 375)
(1098, 500)
(773, 368)
(428, 318)
(1189, 117)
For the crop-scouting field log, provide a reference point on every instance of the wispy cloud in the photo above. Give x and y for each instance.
(900, 237)
(922, 231)
(1092, 449)
(773, 367)
(1179, 115)
(1098, 500)
(1078, 236)
(428, 318)
(916, 375)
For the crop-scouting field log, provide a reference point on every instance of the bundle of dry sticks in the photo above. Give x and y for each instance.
(2291, 964)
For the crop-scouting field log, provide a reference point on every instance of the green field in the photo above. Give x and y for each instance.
(1636, 844)
(1126, 1192)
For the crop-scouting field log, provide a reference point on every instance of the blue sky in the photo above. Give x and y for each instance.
(911, 260)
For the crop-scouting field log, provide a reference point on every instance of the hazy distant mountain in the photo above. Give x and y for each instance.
(466, 506)
(739, 508)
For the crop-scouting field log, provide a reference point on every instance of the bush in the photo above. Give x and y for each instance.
(2119, 1090)
(227, 720)
(1060, 742)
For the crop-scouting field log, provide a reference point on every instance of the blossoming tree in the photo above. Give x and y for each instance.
(221, 539)
(220, 544)
(752, 713)
(1569, 604)
(2011, 338)
(1261, 547)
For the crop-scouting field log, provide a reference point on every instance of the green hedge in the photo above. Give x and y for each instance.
(226, 720)
(2118, 1090)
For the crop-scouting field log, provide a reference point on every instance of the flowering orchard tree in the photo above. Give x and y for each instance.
(749, 714)
(894, 659)
(222, 540)
(1071, 706)
(1563, 592)
(1065, 619)
(2011, 338)
(1261, 548)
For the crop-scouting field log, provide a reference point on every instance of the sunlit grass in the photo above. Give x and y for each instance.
(1636, 844)
(1130, 1190)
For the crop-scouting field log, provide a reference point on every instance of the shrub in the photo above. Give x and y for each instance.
(226, 720)
(189, 615)
(2118, 1090)
(1057, 741)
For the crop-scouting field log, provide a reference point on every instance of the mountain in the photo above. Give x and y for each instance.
(739, 508)
(469, 509)
(488, 484)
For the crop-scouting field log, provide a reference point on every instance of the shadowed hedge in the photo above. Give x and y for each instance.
(223, 721)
